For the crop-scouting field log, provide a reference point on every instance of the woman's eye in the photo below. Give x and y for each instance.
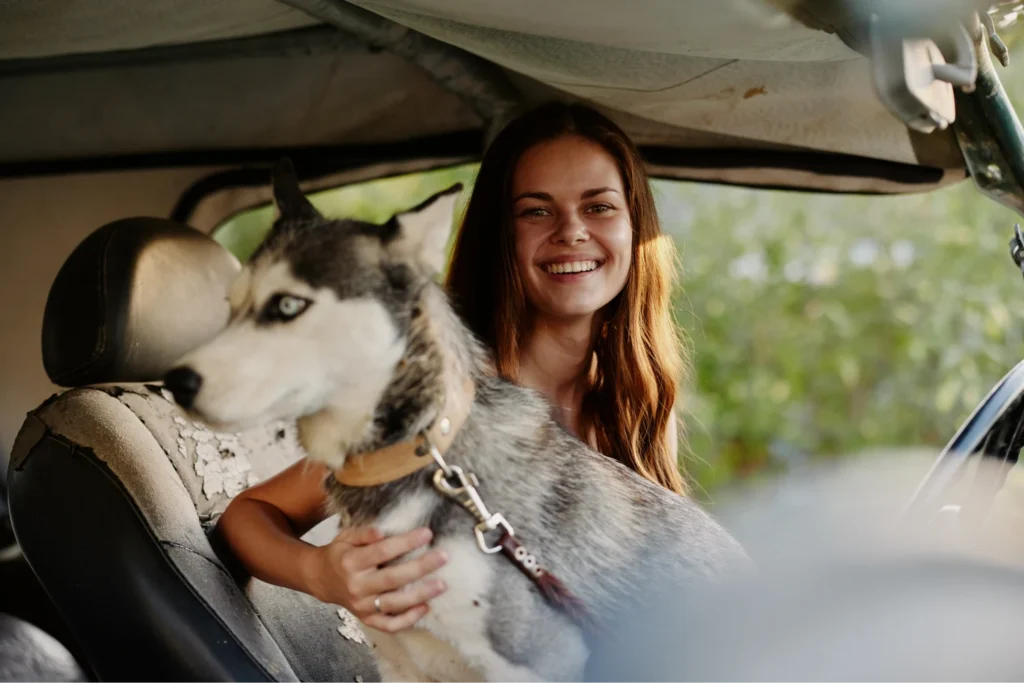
(534, 212)
(600, 208)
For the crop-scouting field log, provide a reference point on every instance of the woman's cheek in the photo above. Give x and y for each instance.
(526, 250)
(618, 240)
(522, 246)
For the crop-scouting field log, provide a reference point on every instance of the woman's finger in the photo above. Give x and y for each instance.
(397, 576)
(390, 548)
(392, 623)
(396, 602)
(359, 535)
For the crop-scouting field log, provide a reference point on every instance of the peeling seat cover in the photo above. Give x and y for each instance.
(181, 476)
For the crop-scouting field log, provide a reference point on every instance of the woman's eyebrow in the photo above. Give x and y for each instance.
(543, 196)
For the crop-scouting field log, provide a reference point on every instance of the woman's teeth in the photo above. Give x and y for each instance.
(571, 267)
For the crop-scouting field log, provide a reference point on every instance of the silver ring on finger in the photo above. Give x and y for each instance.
(376, 605)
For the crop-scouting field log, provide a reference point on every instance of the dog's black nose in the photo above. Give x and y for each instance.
(184, 383)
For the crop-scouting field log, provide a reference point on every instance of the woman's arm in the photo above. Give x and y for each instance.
(264, 523)
(263, 526)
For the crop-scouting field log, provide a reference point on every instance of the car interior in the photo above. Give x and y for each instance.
(134, 130)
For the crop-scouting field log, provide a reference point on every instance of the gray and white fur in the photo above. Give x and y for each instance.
(341, 325)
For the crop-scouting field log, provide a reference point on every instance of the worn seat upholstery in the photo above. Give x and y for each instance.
(114, 493)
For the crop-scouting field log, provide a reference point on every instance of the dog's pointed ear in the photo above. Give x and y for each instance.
(291, 203)
(421, 233)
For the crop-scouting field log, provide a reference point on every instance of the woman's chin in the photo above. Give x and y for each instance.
(581, 312)
(563, 304)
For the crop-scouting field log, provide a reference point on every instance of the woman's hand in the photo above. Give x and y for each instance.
(347, 572)
(263, 527)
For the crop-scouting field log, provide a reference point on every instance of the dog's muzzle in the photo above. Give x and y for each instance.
(183, 383)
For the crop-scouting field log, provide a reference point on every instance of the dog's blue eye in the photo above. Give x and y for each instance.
(290, 306)
(283, 307)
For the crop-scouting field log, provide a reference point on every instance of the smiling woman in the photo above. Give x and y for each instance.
(561, 267)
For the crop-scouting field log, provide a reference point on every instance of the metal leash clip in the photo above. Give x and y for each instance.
(453, 483)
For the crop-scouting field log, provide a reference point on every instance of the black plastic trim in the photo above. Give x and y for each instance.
(315, 161)
(821, 163)
(260, 177)
(459, 143)
(311, 164)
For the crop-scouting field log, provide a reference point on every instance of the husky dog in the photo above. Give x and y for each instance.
(341, 325)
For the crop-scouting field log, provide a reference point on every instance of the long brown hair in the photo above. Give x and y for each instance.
(637, 356)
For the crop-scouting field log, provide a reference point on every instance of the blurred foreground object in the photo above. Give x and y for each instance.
(847, 590)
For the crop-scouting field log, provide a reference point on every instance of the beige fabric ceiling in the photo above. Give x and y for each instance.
(677, 73)
(713, 29)
(734, 67)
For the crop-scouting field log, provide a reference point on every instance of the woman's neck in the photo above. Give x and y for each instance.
(555, 359)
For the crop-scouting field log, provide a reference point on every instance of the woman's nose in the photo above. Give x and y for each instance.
(571, 230)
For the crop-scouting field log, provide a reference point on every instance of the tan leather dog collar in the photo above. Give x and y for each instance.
(391, 463)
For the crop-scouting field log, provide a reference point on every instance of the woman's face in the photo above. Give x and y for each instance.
(572, 228)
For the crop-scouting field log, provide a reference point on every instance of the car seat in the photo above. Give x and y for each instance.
(114, 492)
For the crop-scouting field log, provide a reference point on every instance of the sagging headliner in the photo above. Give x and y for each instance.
(730, 91)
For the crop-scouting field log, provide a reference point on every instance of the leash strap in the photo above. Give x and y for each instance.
(547, 583)
(458, 486)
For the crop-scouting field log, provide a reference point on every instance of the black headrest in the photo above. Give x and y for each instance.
(131, 299)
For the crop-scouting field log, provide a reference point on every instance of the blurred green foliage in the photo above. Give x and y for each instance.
(820, 324)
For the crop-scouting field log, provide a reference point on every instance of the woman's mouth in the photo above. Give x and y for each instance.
(571, 267)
